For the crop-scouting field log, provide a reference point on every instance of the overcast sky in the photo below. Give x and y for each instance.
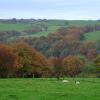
(50, 9)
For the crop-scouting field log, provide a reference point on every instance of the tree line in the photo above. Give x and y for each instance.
(22, 60)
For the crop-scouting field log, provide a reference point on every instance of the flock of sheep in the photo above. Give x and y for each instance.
(67, 81)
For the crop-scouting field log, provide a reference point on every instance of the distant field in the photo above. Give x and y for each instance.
(52, 25)
(21, 27)
(17, 27)
(93, 36)
(83, 23)
(49, 89)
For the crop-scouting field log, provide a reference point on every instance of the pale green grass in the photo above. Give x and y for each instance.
(17, 27)
(82, 23)
(92, 36)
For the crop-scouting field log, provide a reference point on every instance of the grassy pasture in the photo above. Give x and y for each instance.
(52, 25)
(92, 36)
(49, 89)
(17, 27)
(80, 23)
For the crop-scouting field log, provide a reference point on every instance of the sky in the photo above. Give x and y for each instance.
(50, 9)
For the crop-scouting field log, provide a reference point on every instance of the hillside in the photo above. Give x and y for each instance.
(55, 41)
(46, 26)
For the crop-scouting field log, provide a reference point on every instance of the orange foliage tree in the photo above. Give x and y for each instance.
(72, 65)
(97, 63)
(8, 61)
(56, 62)
(31, 61)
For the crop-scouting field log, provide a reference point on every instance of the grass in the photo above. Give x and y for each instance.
(50, 30)
(49, 89)
(21, 27)
(52, 25)
(81, 23)
(17, 27)
(92, 36)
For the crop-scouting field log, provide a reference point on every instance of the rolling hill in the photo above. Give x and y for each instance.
(52, 26)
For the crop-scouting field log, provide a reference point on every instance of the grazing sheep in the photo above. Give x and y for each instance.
(77, 82)
(65, 81)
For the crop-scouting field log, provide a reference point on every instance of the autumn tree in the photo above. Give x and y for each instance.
(41, 66)
(97, 63)
(56, 62)
(72, 65)
(32, 62)
(91, 54)
(8, 61)
(85, 47)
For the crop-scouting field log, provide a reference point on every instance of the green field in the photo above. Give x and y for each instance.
(49, 89)
(80, 23)
(92, 36)
(52, 25)
(17, 27)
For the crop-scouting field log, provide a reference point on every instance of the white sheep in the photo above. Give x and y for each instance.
(77, 82)
(65, 81)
